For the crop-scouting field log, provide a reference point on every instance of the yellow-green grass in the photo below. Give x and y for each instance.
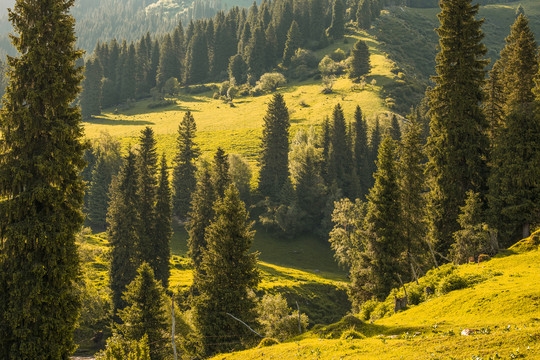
(504, 310)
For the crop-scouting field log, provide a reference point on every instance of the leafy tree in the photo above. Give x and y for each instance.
(360, 64)
(124, 223)
(184, 171)
(337, 27)
(271, 81)
(41, 190)
(376, 272)
(147, 191)
(275, 148)
(294, 41)
(475, 236)
(345, 240)
(240, 173)
(144, 314)
(92, 85)
(163, 226)
(220, 173)
(458, 144)
(230, 271)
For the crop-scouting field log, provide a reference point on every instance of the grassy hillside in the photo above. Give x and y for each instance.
(501, 307)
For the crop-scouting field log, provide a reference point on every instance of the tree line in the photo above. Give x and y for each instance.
(240, 45)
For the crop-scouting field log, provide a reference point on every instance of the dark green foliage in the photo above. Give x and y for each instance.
(124, 224)
(458, 145)
(220, 173)
(92, 85)
(108, 164)
(147, 190)
(229, 272)
(376, 272)
(294, 41)
(337, 27)
(374, 142)
(237, 70)
(178, 47)
(240, 173)
(197, 61)
(163, 226)
(41, 190)
(142, 57)
(275, 149)
(184, 171)
(360, 64)
(475, 237)
(361, 153)
(363, 14)
(255, 53)
(340, 164)
(494, 101)
(202, 212)
(168, 62)
(395, 130)
(144, 314)
(127, 72)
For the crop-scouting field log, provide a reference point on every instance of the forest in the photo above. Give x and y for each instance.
(405, 201)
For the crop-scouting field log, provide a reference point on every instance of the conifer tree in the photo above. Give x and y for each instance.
(317, 22)
(458, 144)
(255, 52)
(124, 223)
(184, 171)
(337, 27)
(494, 101)
(374, 142)
(92, 86)
(178, 47)
(237, 70)
(275, 149)
(167, 62)
(144, 314)
(163, 227)
(361, 152)
(395, 130)
(340, 156)
(378, 267)
(197, 61)
(230, 271)
(202, 212)
(154, 65)
(360, 63)
(363, 14)
(220, 173)
(240, 173)
(128, 81)
(41, 190)
(294, 41)
(147, 190)
(142, 57)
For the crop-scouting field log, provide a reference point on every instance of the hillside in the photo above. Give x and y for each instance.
(501, 309)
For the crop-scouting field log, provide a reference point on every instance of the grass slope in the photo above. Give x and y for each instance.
(504, 309)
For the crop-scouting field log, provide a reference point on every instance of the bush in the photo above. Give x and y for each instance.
(198, 89)
(224, 88)
(160, 104)
(416, 295)
(304, 57)
(352, 334)
(267, 342)
(327, 66)
(452, 282)
(119, 348)
(270, 82)
(171, 86)
(338, 55)
(367, 309)
(276, 319)
(327, 84)
(381, 310)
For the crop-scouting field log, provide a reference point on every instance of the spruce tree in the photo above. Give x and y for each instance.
(275, 149)
(294, 41)
(363, 14)
(147, 190)
(202, 212)
(240, 173)
(237, 70)
(255, 52)
(163, 226)
(360, 63)
(361, 153)
(128, 81)
(220, 173)
(197, 61)
(124, 223)
(458, 144)
(184, 171)
(376, 273)
(91, 89)
(395, 129)
(178, 47)
(337, 27)
(40, 186)
(374, 142)
(167, 62)
(340, 155)
(142, 57)
(144, 314)
(230, 271)
(494, 101)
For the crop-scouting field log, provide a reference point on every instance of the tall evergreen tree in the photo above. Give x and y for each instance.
(494, 101)
(128, 80)
(374, 143)
(197, 62)
(395, 129)
(337, 27)
(144, 314)
(275, 148)
(178, 47)
(147, 190)
(458, 144)
(167, 62)
(255, 52)
(340, 155)
(378, 267)
(230, 271)
(184, 171)
(163, 226)
(41, 190)
(361, 152)
(124, 223)
(294, 41)
(91, 89)
(237, 70)
(360, 63)
(142, 57)
(363, 14)
(220, 173)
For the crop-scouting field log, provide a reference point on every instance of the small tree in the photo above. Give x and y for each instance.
(120, 348)
(277, 320)
(271, 81)
(360, 64)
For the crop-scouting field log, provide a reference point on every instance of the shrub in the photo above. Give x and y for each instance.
(327, 84)
(277, 321)
(171, 86)
(270, 82)
(327, 66)
(381, 310)
(224, 88)
(160, 104)
(119, 348)
(416, 295)
(304, 57)
(352, 334)
(198, 89)
(338, 55)
(452, 282)
(267, 342)
(367, 309)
